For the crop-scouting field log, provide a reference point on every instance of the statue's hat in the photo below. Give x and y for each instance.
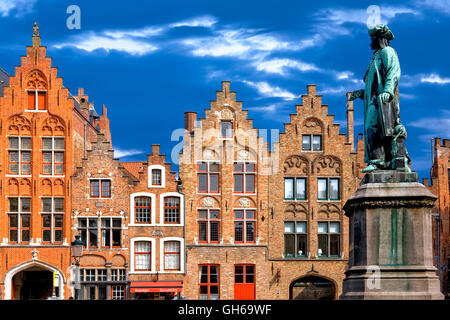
(381, 30)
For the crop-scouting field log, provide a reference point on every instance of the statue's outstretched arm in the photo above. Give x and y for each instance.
(357, 94)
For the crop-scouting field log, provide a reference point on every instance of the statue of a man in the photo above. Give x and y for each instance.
(384, 135)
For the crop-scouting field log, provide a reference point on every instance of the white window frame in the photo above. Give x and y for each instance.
(161, 209)
(161, 254)
(152, 196)
(19, 150)
(152, 258)
(19, 218)
(52, 213)
(53, 151)
(150, 176)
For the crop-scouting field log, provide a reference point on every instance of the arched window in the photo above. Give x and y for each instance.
(142, 207)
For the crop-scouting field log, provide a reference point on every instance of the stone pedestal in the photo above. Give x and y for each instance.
(391, 253)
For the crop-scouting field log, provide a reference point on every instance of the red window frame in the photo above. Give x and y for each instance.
(55, 228)
(172, 253)
(44, 228)
(243, 172)
(208, 221)
(244, 273)
(149, 207)
(245, 222)
(14, 162)
(99, 190)
(149, 253)
(208, 173)
(95, 188)
(166, 207)
(209, 284)
(16, 228)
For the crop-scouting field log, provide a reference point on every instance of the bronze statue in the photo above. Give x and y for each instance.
(384, 135)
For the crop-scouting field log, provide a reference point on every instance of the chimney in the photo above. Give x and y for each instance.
(446, 143)
(155, 149)
(311, 89)
(190, 117)
(350, 111)
(425, 182)
(226, 86)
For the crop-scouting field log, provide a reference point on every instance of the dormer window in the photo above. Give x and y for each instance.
(37, 99)
(226, 129)
(312, 142)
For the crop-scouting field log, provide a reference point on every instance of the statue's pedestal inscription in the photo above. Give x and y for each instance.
(390, 239)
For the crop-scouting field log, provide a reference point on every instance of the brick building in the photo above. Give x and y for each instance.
(224, 169)
(440, 186)
(155, 230)
(308, 230)
(43, 132)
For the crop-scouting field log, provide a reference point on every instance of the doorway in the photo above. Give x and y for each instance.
(312, 288)
(33, 285)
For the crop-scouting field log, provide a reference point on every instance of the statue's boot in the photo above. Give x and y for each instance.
(369, 168)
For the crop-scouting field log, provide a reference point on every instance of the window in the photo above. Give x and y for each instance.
(208, 177)
(208, 282)
(53, 156)
(111, 232)
(172, 255)
(37, 99)
(118, 292)
(295, 239)
(171, 210)
(118, 275)
(316, 142)
(328, 189)
(244, 177)
(52, 220)
(143, 209)
(87, 228)
(19, 223)
(156, 177)
(226, 129)
(142, 255)
(244, 274)
(244, 226)
(329, 239)
(295, 188)
(19, 155)
(100, 188)
(208, 226)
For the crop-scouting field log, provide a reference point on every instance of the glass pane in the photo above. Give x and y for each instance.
(106, 223)
(250, 232)
(26, 143)
(58, 235)
(250, 183)
(106, 237)
(58, 221)
(214, 232)
(225, 129)
(238, 214)
(203, 293)
(106, 188)
(202, 214)
(202, 183)
(322, 189)
(13, 156)
(203, 274)
(289, 245)
(214, 292)
(47, 169)
(289, 188)
(26, 168)
(46, 221)
(239, 278)
(300, 189)
(47, 157)
(334, 245)
(306, 143)
(13, 142)
(213, 274)
(250, 214)
(214, 214)
(238, 167)
(59, 157)
(82, 223)
(322, 227)
(14, 168)
(117, 223)
(300, 227)
(334, 227)
(214, 183)
(238, 183)
(213, 167)
(301, 244)
(93, 223)
(250, 167)
(238, 231)
(47, 143)
(13, 235)
(25, 220)
(317, 143)
(46, 236)
(59, 204)
(289, 227)
(116, 240)
(13, 204)
(323, 245)
(249, 278)
(102, 292)
(13, 221)
(202, 231)
(59, 143)
(93, 237)
(334, 189)
(25, 235)
(26, 204)
(143, 246)
(203, 166)
(26, 156)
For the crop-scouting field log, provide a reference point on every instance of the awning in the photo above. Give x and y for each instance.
(156, 286)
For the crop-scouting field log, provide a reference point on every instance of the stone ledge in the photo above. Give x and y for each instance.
(389, 176)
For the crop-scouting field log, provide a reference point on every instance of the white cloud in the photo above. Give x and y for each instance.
(436, 126)
(417, 79)
(202, 21)
(93, 42)
(279, 65)
(267, 90)
(442, 6)
(122, 153)
(21, 7)
(434, 78)
(137, 33)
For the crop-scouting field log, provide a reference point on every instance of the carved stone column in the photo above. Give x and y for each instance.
(391, 253)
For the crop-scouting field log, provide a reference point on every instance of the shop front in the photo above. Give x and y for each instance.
(155, 290)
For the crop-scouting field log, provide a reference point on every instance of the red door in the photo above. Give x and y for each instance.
(244, 282)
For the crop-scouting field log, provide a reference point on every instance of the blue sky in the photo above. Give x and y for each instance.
(150, 61)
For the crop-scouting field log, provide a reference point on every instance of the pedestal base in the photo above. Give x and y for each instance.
(390, 239)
